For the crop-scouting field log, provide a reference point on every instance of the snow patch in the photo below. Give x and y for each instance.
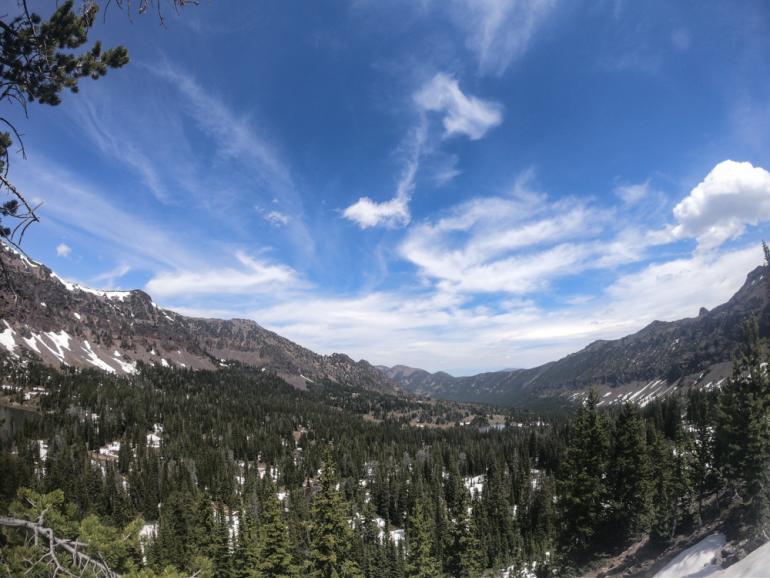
(153, 439)
(8, 340)
(69, 286)
(94, 359)
(60, 340)
(698, 561)
(475, 485)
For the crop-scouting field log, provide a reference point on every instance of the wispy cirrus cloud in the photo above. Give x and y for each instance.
(79, 205)
(236, 139)
(499, 31)
(461, 114)
(253, 275)
(114, 142)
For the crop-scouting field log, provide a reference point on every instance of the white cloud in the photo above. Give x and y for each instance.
(732, 196)
(368, 213)
(253, 276)
(393, 213)
(274, 217)
(513, 244)
(462, 114)
(500, 31)
(63, 250)
(632, 194)
(678, 288)
(445, 331)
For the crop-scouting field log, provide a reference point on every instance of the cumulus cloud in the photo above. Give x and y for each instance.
(732, 196)
(500, 31)
(368, 213)
(253, 276)
(63, 250)
(393, 213)
(462, 114)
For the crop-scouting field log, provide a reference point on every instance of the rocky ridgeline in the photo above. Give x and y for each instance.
(653, 362)
(46, 317)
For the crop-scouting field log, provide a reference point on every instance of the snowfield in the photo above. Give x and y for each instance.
(700, 561)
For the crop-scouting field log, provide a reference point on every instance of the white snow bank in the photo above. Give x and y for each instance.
(7, 338)
(755, 565)
(698, 561)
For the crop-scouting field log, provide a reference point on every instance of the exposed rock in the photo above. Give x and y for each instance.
(58, 322)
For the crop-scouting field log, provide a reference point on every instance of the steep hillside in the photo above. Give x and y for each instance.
(60, 322)
(641, 366)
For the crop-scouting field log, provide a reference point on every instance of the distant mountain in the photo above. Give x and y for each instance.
(45, 317)
(655, 361)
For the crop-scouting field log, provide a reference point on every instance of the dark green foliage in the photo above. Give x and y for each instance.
(466, 557)
(420, 561)
(273, 552)
(585, 495)
(331, 535)
(743, 435)
(630, 476)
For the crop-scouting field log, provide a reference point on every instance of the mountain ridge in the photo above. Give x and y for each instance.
(657, 359)
(59, 322)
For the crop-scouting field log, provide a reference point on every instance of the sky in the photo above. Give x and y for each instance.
(457, 185)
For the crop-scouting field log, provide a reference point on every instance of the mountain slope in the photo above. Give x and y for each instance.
(649, 363)
(59, 322)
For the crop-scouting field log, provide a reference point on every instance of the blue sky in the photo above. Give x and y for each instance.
(458, 185)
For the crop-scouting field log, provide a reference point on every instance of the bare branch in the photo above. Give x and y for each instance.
(80, 559)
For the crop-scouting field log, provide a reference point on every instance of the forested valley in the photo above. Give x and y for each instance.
(234, 473)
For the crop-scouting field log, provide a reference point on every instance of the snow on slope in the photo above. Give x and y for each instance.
(755, 565)
(698, 561)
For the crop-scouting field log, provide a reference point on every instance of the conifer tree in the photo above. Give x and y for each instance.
(330, 555)
(744, 431)
(420, 562)
(220, 543)
(246, 555)
(465, 558)
(663, 523)
(701, 414)
(274, 558)
(631, 476)
(583, 478)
